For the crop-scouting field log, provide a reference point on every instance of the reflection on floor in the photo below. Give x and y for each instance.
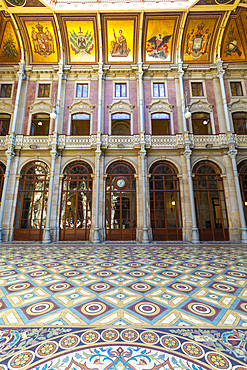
(157, 306)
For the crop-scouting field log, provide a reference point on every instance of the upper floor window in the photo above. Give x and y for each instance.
(121, 90)
(236, 89)
(160, 124)
(159, 90)
(120, 124)
(197, 89)
(82, 90)
(4, 124)
(240, 123)
(80, 124)
(6, 90)
(40, 124)
(44, 91)
(201, 123)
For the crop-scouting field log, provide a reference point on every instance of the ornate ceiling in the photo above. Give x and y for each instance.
(89, 31)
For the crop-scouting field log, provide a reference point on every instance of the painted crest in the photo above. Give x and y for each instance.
(81, 43)
(157, 46)
(197, 41)
(43, 42)
(232, 44)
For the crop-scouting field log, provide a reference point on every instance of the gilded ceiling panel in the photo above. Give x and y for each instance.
(199, 37)
(9, 46)
(81, 36)
(159, 40)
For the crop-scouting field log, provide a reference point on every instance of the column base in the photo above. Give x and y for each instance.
(47, 236)
(195, 235)
(244, 235)
(96, 238)
(145, 238)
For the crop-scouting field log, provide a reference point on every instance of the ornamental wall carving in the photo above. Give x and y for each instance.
(6, 107)
(239, 105)
(81, 106)
(160, 106)
(200, 106)
(41, 107)
(120, 107)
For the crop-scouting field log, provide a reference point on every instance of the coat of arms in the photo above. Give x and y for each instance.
(157, 46)
(197, 41)
(232, 44)
(81, 43)
(43, 42)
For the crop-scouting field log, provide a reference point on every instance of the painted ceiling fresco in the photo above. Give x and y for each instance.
(215, 2)
(9, 46)
(24, 3)
(120, 35)
(42, 40)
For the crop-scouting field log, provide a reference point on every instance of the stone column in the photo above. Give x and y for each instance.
(96, 236)
(187, 154)
(145, 238)
(53, 152)
(232, 152)
(10, 152)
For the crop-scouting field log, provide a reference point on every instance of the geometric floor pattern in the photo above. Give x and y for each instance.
(123, 306)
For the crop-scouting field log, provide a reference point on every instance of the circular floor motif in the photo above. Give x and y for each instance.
(215, 264)
(69, 341)
(38, 273)
(204, 274)
(104, 273)
(93, 308)
(46, 349)
(236, 274)
(243, 306)
(20, 286)
(141, 287)
(234, 368)
(79, 264)
(51, 264)
(161, 264)
(129, 335)
(71, 273)
(201, 309)
(189, 264)
(7, 273)
(134, 264)
(137, 273)
(90, 336)
(147, 308)
(223, 287)
(170, 342)
(100, 287)
(171, 274)
(39, 308)
(192, 349)
(149, 337)
(21, 360)
(182, 287)
(59, 286)
(24, 264)
(218, 361)
(110, 335)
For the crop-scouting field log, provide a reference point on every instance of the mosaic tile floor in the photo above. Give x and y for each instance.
(123, 306)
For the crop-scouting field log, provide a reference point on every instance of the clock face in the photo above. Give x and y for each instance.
(120, 183)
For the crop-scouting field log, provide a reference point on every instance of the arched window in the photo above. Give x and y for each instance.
(240, 123)
(201, 124)
(210, 202)
(30, 213)
(160, 124)
(120, 124)
(40, 124)
(4, 124)
(80, 124)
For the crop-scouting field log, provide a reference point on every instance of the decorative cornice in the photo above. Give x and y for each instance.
(81, 106)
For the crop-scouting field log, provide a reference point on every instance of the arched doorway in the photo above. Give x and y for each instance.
(76, 207)
(210, 202)
(242, 171)
(165, 207)
(30, 213)
(120, 202)
(2, 172)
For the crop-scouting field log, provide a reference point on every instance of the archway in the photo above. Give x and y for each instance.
(210, 202)
(30, 213)
(120, 202)
(76, 207)
(165, 207)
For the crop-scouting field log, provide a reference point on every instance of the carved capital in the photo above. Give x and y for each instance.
(187, 152)
(220, 70)
(232, 152)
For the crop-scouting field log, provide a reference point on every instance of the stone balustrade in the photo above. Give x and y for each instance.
(128, 142)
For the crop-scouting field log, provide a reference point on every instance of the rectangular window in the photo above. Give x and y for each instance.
(197, 89)
(82, 90)
(6, 90)
(236, 89)
(120, 90)
(159, 90)
(44, 91)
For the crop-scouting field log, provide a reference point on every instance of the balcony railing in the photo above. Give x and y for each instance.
(128, 142)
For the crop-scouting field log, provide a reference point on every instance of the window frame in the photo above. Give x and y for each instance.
(88, 89)
(242, 88)
(43, 83)
(165, 90)
(127, 90)
(11, 93)
(204, 96)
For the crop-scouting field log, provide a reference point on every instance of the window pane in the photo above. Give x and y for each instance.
(236, 88)
(85, 91)
(79, 91)
(162, 90)
(6, 90)
(44, 91)
(124, 92)
(117, 90)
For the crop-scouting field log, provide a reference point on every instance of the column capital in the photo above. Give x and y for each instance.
(180, 69)
(21, 73)
(60, 69)
(187, 152)
(220, 70)
(232, 152)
